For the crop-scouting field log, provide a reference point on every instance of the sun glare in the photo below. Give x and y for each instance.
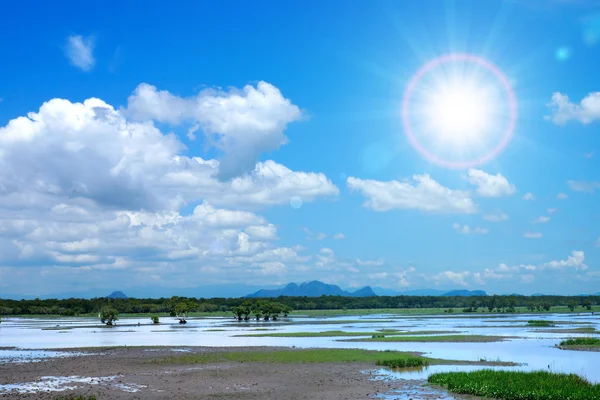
(459, 110)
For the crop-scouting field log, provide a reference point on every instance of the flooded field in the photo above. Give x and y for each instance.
(31, 340)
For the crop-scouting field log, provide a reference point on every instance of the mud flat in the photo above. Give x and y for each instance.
(189, 373)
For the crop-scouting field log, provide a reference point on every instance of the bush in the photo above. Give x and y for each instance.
(154, 319)
(408, 362)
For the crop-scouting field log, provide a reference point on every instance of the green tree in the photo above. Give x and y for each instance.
(587, 305)
(108, 315)
(572, 305)
(154, 319)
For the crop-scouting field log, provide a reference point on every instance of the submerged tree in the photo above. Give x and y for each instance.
(181, 309)
(108, 315)
(154, 319)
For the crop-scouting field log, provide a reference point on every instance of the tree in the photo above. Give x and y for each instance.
(154, 319)
(587, 304)
(108, 315)
(572, 305)
(181, 309)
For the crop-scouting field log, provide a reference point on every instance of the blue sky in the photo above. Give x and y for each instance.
(154, 182)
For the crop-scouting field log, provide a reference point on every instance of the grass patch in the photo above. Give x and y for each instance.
(295, 356)
(339, 334)
(540, 323)
(590, 344)
(440, 338)
(572, 330)
(514, 385)
(406, 362)
(215, 330)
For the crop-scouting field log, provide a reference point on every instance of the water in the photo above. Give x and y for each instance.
(531, 346)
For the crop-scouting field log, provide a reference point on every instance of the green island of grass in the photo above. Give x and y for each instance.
(515, 385)
(540, 323)
(433, 338)
(388, 358)
(570, 330)
(340, 334)
(582, 344)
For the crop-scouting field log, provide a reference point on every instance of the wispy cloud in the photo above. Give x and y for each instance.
(541, 219)
(499, 217)
(467, 230)
(529, 196)
(532, 235)
(581, 186)
(339, 236)
(80, 52)
(562, 196)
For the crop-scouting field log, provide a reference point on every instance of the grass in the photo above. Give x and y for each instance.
(296, 356)
(440, 338)
(590, 344)
(405, 362)
(540, 323)
(339, 334)
(570, 330)
(514, 385)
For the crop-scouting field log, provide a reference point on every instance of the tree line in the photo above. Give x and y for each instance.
(72, 307)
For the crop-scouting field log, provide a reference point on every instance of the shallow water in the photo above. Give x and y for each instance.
(530, 346)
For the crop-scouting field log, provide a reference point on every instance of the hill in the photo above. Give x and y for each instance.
(466, 293)
(312, 289)
(117, 295)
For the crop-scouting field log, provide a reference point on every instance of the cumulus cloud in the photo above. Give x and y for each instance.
(422, 193)
(563, 110)
(528, 196)
(490, 185)
(466, 229)
(575, 260)
(581, 186)
(314, 235)
(499, 217)
(84, 191)
(80, 52)
(457, 278)
(242, 123)
(532, 235)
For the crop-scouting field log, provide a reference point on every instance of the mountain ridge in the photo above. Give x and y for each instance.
(311, 289)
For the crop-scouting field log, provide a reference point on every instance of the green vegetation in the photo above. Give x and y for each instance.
(512, 385)
(540, 323)
(405, 362)
(108, 315)
(155, 319)
(312, 306)
(589, 344)
(338, 333)
(434, 338)
(295, 356)
(261, 309)
(571, 330)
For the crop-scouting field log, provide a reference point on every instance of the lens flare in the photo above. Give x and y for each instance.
(459, 111)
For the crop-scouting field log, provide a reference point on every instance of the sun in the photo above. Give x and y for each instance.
(459, 110)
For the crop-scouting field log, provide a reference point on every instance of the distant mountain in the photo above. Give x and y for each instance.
(428, 292)
(117, 295)
(466, 293)
(312, 289)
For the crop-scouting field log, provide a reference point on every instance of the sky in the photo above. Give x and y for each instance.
(398, 144)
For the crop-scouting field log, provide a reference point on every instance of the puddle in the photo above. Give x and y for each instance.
(63, 383)
(53, 384)
(22, 356)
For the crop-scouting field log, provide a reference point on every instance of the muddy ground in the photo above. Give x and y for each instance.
(136, 376)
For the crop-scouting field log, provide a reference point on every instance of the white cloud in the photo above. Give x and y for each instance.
(314, 235)
(575, 260)
(339, 236)
(500, 217)
(562, 196)
(490, 185)
(85, 191)
(457, 278)
(552, 210)
(529, 196)
(89, 150)
(532, 235)
(590, 154)
(370, 263)
(598, 242)
(563, 110)
(242, 123)
(423, 193)
(580, 186)
(466, 229)
(79, 50)
(541, 219)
